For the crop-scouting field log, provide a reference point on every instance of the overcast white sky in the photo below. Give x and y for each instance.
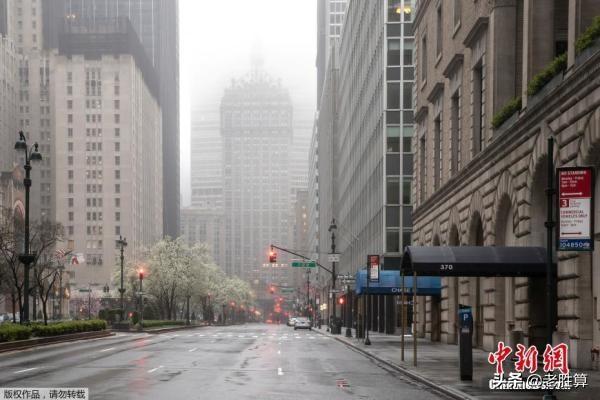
(217, 39)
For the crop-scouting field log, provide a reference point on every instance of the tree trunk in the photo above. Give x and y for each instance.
(14, 306)
(44, 310)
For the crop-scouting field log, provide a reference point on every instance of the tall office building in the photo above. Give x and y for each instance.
(330, 19)
(156, 24)
(256, 129)
(206, 160)
(108, 141)
(364, 137)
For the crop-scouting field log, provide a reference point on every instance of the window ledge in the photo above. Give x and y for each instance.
(456, 29)
(438, 59)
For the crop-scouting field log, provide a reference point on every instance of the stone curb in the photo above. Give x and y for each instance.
(30, 343)
(446, 390)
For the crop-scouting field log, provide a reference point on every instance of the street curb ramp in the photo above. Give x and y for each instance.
(447, 391)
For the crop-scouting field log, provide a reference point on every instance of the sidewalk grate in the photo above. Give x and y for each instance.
(342, 383)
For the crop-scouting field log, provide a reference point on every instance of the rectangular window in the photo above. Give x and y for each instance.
(70, 160)
(117, 104)
(478, 108)
(423, 53)
(393, 139)
(70, 174)
(70, 146)
(455, 133)
(117, 202)
(392, 216)
(439, 31)
(393, 96)
(70, 104)
(71, 231)
(437, 154)
(407, 96)
(117, 216)
(117, 230)
(70, 188)
(457, 12)
(117, 118)
(117, 160)
(422, 165)
(70, 202)
(71, 215)
(70, 132)
(117, 174)
(393, 190)
(117, 188)
(117, 146)
(117, 132)
(393, 52)
(70, 118)
(393, 241)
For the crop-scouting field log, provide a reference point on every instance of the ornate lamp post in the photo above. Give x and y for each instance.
(141, 276)
(122, 242)
(32, 155)
(332, 229)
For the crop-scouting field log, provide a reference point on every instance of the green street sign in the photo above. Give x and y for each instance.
(287, 290)
(304, 264)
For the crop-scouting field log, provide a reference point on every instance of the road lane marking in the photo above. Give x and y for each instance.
(192, 350)
(154, 369)
(279, 352)
(25, 370)
(190, 335)
(109, 349)
(200, 335)
(241, 336)
(279, 371)
(255, 336)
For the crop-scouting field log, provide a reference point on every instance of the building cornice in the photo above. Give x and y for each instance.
(435, 91)
(478, 27)
(453, 64)
(526, 127)
(421, 113)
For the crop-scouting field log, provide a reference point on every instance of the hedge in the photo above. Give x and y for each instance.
(558, 65)
(506, 112)
(155, 323)
(11, 332)
(589, 37)
(64, 328)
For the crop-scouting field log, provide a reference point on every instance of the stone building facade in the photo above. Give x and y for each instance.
(483, 186)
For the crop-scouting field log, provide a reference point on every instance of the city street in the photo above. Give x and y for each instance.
(254, 361)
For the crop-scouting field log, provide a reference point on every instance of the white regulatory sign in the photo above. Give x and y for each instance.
(334, 257)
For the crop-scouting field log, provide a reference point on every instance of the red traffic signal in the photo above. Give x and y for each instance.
(272, 289)
(341, 300)
(272, 256)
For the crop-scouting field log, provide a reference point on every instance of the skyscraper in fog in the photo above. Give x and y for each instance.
(330, 19)
(156, 24)
(256, 129)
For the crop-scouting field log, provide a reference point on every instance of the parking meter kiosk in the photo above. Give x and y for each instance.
(465, 337)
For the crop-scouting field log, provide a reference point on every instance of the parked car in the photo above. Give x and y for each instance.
(291, 321)
(302, 323)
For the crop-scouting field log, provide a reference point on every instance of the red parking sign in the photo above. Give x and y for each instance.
(575, 208)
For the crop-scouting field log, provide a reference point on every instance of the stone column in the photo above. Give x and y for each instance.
(503, 66)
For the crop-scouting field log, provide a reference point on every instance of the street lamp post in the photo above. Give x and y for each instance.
(27, 258)
(332, 229)
(141, 275)
(123, 243)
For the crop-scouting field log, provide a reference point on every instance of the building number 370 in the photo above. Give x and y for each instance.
(446, 267)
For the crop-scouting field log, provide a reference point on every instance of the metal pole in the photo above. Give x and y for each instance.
(415, 314)
(307, 292)
(122, 289)
(141, 301)
(333, 296)
(367, 313)
(187, 312)
(89, 302)
(549, 266)
(60, 290)
(403, 323)
(27, 257)
(349, 305)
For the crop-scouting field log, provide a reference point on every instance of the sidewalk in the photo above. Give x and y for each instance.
(438, 368)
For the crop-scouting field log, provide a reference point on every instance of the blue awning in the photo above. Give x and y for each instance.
(390, 282)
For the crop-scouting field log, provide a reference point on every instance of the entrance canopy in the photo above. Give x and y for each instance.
(391, 283)
(471, 261)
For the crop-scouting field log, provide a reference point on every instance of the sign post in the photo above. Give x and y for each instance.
(372, 276)
(576, 209)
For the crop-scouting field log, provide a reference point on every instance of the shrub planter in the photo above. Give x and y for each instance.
(24, 344)
(548, 87)
(507, 124)
(587, 54)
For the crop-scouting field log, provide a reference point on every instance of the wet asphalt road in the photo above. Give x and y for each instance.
(253, 361)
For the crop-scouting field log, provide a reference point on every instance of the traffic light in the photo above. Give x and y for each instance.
(272, 289)
(272, 256)
(341, 301)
